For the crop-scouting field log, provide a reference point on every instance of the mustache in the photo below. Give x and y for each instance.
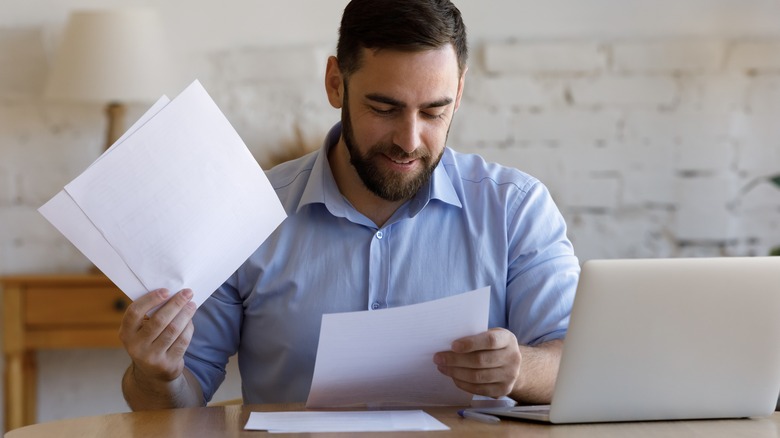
(396, 152)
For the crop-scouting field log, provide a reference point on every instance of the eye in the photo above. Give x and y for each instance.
(432, 116)
(383, 111)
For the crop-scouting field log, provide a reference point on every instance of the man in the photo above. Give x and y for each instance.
(383, 215)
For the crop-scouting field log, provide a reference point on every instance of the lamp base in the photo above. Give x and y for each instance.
(116, 122)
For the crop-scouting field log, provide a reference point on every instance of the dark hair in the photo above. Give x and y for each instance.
(408, 25)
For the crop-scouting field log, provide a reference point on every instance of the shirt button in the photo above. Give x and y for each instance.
(379, 234)
(375, 305)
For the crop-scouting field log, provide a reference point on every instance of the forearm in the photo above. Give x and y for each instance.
(536, 380)
(142, 393)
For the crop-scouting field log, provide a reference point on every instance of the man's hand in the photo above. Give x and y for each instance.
(494, 365)
(485, 364)
(156, 344)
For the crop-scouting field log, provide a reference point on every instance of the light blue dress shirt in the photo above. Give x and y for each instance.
(473, 224)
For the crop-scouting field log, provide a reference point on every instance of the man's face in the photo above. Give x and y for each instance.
(396, 114)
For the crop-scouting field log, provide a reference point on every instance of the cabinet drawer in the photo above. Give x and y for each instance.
(88, 305)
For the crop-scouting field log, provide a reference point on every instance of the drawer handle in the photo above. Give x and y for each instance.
(120, 304)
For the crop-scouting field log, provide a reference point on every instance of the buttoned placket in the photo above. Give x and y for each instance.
(378, 269)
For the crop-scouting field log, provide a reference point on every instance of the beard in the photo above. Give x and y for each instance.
(388, 185)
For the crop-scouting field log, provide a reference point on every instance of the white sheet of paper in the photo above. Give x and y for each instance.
(385, 357)
(180, 200)
(355, 421)
(151, 112)
(63, 212)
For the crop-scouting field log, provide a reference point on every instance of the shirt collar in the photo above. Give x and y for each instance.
(439, 187)
(321, 187)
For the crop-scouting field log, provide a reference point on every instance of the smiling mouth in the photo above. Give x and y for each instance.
(403, 162)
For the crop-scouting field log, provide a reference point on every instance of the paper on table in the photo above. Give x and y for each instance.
(181, 200)
(385, 357)
(361, 421)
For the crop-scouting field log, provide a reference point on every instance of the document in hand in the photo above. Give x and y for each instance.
(178, 201)
(384, 357)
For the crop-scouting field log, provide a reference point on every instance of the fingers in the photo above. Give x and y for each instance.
(169, 321)
(157, 343)
(495, 389)
(493, 339)
(489, 349)
(492, 382)
(485, 364)
(180, 344)
(166, 324)
(137, 310)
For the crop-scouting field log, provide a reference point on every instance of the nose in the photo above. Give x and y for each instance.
(407, 134)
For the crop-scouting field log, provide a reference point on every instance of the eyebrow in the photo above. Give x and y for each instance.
(381, 98)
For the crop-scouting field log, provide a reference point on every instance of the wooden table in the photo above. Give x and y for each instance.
(51, 312)
(229, 421)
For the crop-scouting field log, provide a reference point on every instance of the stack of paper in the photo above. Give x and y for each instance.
(176, 202)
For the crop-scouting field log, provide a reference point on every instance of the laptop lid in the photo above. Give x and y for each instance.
(666, 339)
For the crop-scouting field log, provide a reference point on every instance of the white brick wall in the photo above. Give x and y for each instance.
(723, 92)
(7, 188)
(649, 189)
(643, 143)
(592, 193)
(667, 56)
(702, 209)
(572, 126)
(625, 91)
(754, 56)
(763, 94)
(273, 96)
(758, 143)
(23, 63)
(575, 57)
(479, 124)
(509, 92)
(275, 64)
(651, 136)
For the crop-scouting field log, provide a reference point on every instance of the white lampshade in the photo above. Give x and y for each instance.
(116, 55)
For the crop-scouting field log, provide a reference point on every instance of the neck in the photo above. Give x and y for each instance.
(350, 185)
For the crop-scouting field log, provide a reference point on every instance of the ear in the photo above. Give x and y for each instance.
(334, 83)
(461, 84)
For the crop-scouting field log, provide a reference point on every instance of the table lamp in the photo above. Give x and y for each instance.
(113, 56)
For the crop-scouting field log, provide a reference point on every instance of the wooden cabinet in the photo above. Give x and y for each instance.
(51, 312)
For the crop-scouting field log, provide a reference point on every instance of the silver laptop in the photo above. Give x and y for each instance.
(668, 339)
